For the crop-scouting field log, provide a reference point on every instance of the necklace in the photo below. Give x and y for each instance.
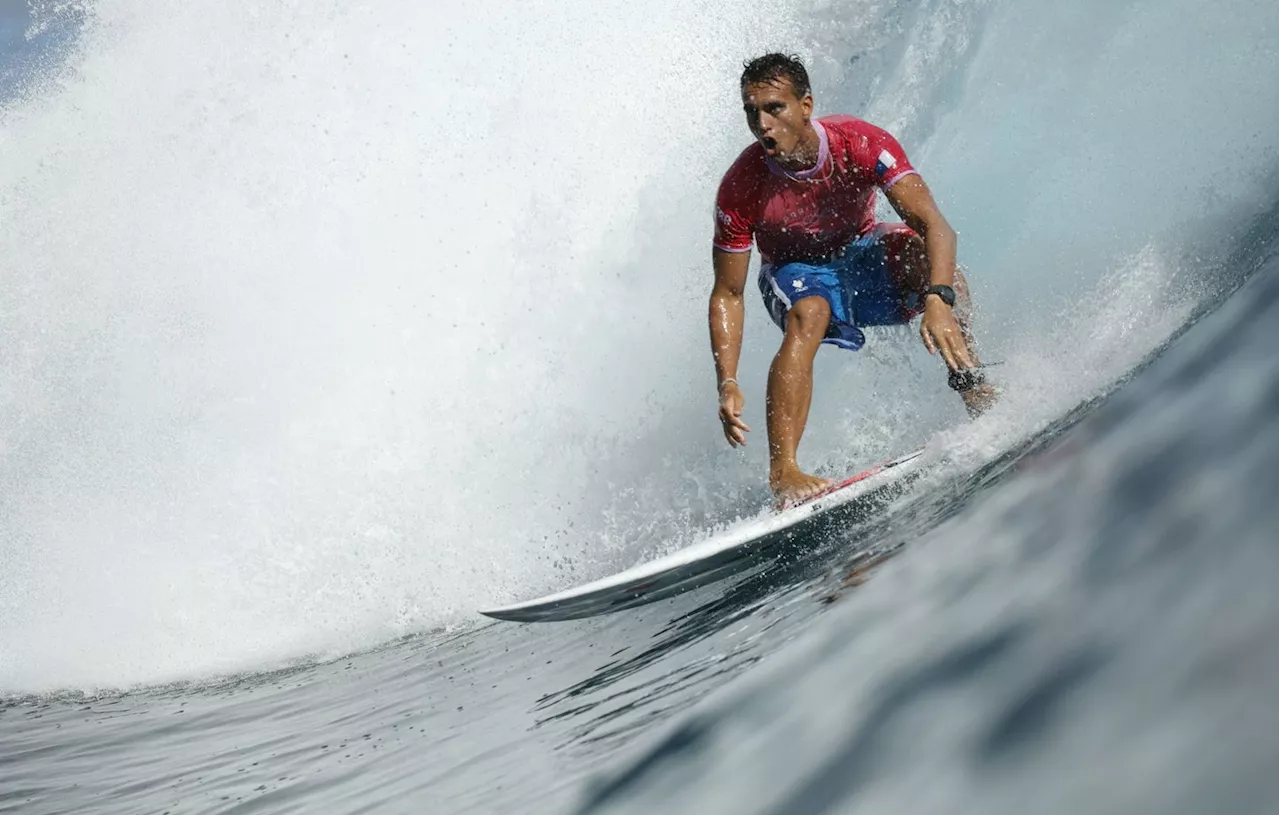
(815, 173)
(810, 176)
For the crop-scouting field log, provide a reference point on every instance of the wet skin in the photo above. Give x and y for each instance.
(780, 120)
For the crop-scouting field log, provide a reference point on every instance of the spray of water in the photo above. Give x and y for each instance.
(324, 323)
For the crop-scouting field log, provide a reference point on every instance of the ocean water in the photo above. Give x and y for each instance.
(322, 326)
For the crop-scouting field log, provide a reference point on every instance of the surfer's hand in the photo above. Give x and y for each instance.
(735, 430)
(942, 335)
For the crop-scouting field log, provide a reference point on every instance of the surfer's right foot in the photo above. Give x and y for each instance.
(794, 486)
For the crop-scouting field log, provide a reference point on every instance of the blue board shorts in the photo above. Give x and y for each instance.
(864, 285)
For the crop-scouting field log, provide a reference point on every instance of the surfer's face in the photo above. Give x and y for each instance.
(777, 117)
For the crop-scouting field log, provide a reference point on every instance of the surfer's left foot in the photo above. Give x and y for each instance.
(795, 486)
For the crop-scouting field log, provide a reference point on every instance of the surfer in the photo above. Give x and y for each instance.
(805, 193)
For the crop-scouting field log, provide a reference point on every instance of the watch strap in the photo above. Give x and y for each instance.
(945, 293)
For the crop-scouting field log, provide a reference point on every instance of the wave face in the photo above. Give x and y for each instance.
(1072, 638)
(325, 324)
(321, 325)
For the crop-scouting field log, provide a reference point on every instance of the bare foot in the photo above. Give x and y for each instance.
(979, 399)
(793, 486)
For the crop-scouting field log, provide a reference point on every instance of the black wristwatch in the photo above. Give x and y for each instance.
(947, 294)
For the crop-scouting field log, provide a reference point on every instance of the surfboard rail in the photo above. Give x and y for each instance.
(731, 551)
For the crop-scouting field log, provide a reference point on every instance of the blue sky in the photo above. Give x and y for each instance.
(13, 21)
(20, 57)
(14, 48)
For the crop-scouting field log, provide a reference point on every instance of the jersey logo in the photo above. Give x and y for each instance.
(885, 162)
(723, 217)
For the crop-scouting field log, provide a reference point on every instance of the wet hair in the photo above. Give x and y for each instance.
(770, 68)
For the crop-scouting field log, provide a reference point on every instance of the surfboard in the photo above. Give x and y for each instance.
(734, 550)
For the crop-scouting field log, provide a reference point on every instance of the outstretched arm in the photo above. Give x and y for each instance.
(939, 330)
(726, 313)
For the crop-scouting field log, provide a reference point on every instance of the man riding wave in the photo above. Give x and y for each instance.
(804, 192)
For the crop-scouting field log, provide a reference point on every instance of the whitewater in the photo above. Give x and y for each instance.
(324, 325)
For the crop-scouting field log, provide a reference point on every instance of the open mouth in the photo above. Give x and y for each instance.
(770, 143)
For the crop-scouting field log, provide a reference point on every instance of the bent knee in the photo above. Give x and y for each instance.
(809, 317)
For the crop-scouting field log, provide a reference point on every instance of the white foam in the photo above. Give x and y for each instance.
(325, 323)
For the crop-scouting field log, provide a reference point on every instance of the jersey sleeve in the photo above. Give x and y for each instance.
(883, 158)
(733, 228)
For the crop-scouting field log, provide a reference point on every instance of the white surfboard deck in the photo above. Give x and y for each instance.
(734, 550)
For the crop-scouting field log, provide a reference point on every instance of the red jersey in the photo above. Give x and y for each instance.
(808, 215)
